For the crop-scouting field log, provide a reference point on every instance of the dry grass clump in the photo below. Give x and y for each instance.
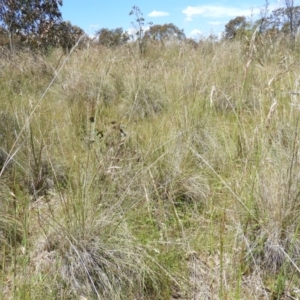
(44, 177)
(9, 129)
(143, 102)
(180, 182)
(274, 241)
(11, 230)
(115, 270)
(99, 257)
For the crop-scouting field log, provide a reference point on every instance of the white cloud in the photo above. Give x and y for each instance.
(215, 23)
(217, 11)
(94, 26)
(156, 13)
(91, 31)
(133, 31)
(195, 33)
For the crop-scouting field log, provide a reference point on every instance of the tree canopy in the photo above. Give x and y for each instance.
(28, 16)
(282, 21)
(112, 37)
(285, 19)
(66, 35)
(38, 23)
(235, 27)
(33, 20)
(163, 32)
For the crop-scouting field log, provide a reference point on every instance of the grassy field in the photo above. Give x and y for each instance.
(171, 175)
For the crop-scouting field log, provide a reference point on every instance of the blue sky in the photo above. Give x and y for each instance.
(194, 16)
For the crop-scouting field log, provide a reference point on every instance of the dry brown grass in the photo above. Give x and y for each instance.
(169, 175)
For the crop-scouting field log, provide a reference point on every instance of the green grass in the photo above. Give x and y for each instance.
(168, 175)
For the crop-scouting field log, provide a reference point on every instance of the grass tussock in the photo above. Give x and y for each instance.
(171, 175)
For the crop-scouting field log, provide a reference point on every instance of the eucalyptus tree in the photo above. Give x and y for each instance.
(235, 27)
(165, 32)
(29, 18)
(112, 37)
